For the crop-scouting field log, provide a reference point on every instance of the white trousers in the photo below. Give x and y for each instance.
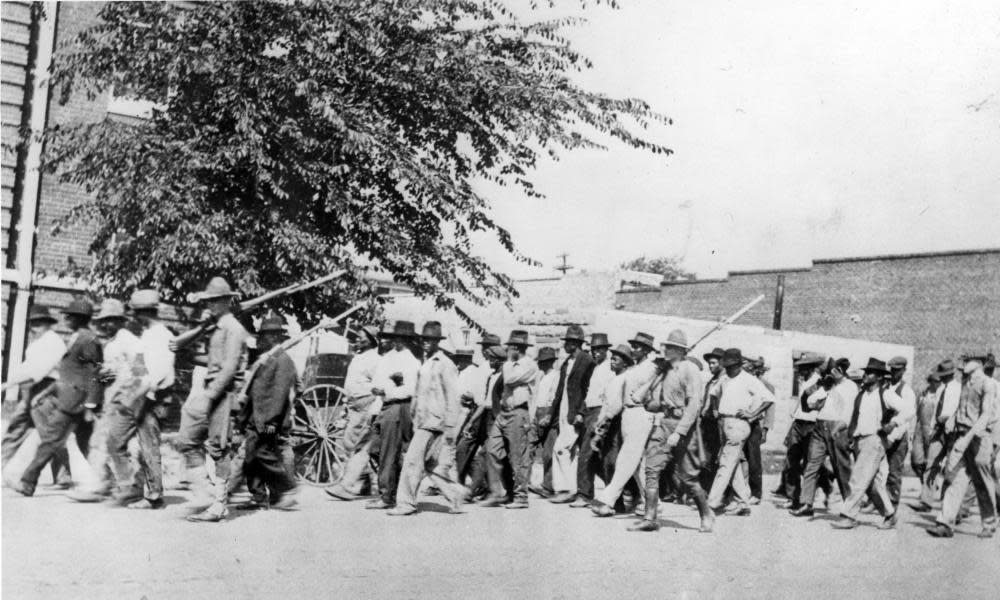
(563, 461)
(637, 424)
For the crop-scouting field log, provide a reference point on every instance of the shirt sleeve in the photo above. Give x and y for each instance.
(692, 404)
(761, 395)
(409, 369)
(614, 400)
(452, 395)
(40, 359)
(519, 373)
(235, 338)
(905, 407)
(159, 362)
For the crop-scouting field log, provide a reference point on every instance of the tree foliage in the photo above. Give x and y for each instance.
(295, 138)
(668, 266)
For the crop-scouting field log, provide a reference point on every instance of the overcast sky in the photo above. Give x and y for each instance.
(801, 130)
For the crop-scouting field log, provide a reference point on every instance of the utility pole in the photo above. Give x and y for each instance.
(564, 267)
(779, 301)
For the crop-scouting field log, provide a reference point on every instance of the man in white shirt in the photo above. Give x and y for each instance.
(949, 393)
(829, 438)
(568, 413)
(808, 368)
(743, 398)
(636, 425)
(544, 430)
(902, 403)
(508, 437)
(868, 471)
(607, 435)
(32, 376)
(394, 383)
(435, 408)
(589, 463)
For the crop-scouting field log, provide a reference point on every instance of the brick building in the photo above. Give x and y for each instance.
(942, 304)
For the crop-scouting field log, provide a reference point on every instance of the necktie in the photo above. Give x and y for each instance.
(854, 414)
(940, 403)
(559, 389)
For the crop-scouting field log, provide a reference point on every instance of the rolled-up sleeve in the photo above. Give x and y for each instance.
(158, 358)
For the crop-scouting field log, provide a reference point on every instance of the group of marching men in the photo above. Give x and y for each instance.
(107, 386)
(650, 423)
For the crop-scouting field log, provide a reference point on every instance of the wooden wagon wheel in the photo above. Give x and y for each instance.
(319, 417)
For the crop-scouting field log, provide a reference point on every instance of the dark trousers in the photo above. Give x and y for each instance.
(395, 430)
(123, 426)
(508, 439)
(824, 442)
(542, 450)
(17, 429)
(895, 454)
(588, 462)
(267, 472)
(682, 464)
(470, 457)
(797, 444)
(755, 464)
(54, 427)
(711, 438)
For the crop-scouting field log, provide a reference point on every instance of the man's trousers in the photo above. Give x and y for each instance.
(54, 427)
(868, 472)
(755, 465)
(973, 466)
(589, 464)
(564, 472)
(734, 432)
(428, 453)
(394, 429)
(937, 452)
(895, 454)
(205, 429)
(123, 424)
(508, 438)
(636, 424)
(543, 446)
(682, 463)
(828, 438)
(797, 446)
(711, 438)
(268, 474)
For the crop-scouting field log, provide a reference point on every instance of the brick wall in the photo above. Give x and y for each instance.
(942, 304)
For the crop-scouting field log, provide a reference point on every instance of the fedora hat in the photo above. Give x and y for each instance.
(574, 333)
(465, 352)
(432, 330)
(897, 362)
(732, 356)
(643, 339)
(715, 353)
(855, 375)
(933, 377)
(272, 325)
(490, 339)
(399, 329)
(111, 309)
(808, 359)
(677, 339)
(624, 351)
(80, 307)
(40, 313)
(495, 353)
(876, 366)
(518, 337)
(144, 299)
(947, 367)
(546, 354)
(371, 332)
(216, 288)
(599, 340)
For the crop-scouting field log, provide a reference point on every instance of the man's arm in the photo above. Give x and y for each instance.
(408, 388)
(690, 383)
(233, 352)
(452, 397)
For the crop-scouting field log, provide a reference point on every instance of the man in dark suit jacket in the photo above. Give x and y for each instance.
(76, 396)
(568, 411)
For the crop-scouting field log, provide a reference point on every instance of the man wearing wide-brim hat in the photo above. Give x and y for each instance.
(362, 406)
(544, 429)
(568, 410)
(901, 401)
(949, 393)
(808, 368)
(708, 423)
(590, 463)
(636, 424)
(970, 456)
(205, 414)
(32, 376)
(869, 452)
(68, 406)
(394, 384)
(923, 428)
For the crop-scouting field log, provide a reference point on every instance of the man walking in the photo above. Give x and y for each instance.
(752, 448)
(742, 399)
(869, 452)
(902, 405)
(709, 422)
(971, 452)
(923, 428)
(803, 424)
(395, 383)
(588, 461)
(544, 430)
(568, 411)
(674, 448)
(949, 394)
(205, 415)
(265, 420)
(69, 406)
(33, 376)
(435, 410)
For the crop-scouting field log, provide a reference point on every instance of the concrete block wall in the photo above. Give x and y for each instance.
(943, 304)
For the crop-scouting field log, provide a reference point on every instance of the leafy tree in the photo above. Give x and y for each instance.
(668, 266)
(295, 138)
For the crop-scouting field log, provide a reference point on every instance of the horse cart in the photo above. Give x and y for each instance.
(319, 417)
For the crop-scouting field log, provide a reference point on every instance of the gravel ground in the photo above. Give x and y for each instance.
(54, 548)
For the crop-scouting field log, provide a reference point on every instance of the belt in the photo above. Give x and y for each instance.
(673, 412)
(735, 417)
(518, 407)
(395, 401)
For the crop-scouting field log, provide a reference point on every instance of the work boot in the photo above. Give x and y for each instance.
(921, 507)
(85, 496)
(802, 511)
(493, 501)
(940, 530)
(754, 501)
(845, 523)
(987, 532)
(339, 492)
(284, 502)
(401, 511)
(707, 523)
(517, 503)
(126, 495)
(645, 525)
(601, 509)
(563, 498)
(146, 504)
(378, 504)
(741, 510)
(540, 491)
(25, 489)
(580, 502)
(213, 514)
(890, 521)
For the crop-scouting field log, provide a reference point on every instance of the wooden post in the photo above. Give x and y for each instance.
(779, 301)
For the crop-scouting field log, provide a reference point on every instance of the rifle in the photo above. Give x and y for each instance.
(729, 320)
(191, 335)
